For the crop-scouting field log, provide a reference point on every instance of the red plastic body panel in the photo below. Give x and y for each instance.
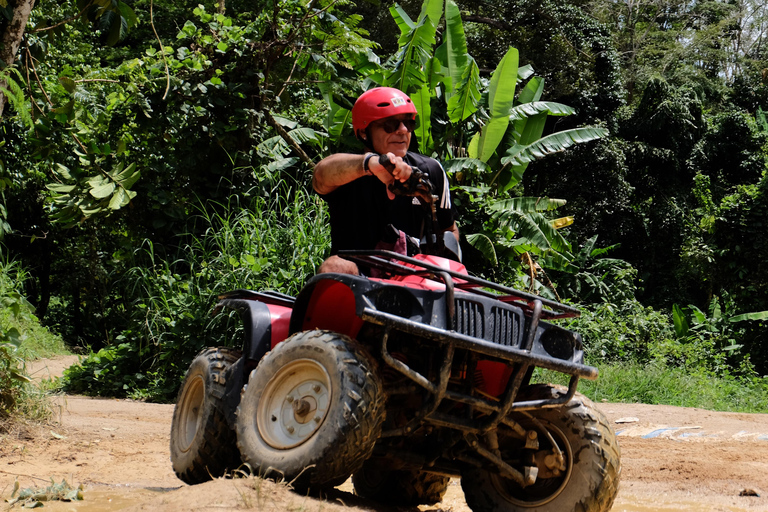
(437, 261)
(422, 282)
(280, 317)
(333, 307)
(495, 376)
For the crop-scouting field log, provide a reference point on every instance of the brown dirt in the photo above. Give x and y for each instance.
(674, 459)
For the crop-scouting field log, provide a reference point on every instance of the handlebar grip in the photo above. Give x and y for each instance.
(418, 183)
(387, 163)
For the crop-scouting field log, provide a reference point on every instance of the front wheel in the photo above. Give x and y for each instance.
(312, 410)
(202, 443)
(587, 480)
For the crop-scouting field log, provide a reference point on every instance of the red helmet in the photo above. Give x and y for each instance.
(379, 103)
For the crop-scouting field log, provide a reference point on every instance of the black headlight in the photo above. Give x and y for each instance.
(395, 300)
(559, 343)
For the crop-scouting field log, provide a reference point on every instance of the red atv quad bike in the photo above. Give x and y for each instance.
(402, 381)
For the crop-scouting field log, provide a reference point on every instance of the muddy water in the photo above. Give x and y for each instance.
(629, 503)
(625, 502)
(115, 498)
(104, 499)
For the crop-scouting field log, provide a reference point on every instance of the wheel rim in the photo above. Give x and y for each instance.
(545, 489)
(189, 415)
(294, 404)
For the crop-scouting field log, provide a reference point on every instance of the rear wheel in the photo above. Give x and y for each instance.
(587, 480)
(398, 487)
(202, 444)
(312, 410)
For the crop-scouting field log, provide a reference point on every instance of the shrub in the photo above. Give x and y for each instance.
(169, 301)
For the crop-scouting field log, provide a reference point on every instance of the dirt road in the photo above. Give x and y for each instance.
(673, 459)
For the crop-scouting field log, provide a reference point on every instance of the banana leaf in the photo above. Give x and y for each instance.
(550, 144)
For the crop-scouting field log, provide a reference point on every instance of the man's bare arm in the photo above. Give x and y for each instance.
(455, 230)
(341, 168)
(336, 170)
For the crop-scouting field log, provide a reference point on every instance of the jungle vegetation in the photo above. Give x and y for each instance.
(154, 153)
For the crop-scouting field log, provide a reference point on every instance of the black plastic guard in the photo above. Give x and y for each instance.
(257, 326)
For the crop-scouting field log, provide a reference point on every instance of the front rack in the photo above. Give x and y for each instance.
(390, 262)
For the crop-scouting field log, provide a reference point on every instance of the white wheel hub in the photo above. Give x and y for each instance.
(190, 414)
(294, 404)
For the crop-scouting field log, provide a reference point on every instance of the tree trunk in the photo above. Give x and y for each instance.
(11, 37)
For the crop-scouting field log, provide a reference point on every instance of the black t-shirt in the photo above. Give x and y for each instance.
(360, 210)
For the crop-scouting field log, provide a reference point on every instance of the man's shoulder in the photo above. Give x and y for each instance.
(425, 163)
(418, 157)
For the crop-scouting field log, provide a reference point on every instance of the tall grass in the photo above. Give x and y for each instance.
(273, 244)
(659, 384)
(21, 338)
(641, 359)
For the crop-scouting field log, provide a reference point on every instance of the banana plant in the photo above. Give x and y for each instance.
(492, 128)
(588, 274)
(519, 226)
(717, 321)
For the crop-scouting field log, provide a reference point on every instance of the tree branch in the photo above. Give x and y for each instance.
(162, 50)
(287, 138)
(73, 18)
(11, 39)
(500, 24)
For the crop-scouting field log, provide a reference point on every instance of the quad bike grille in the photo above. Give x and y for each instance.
(505, 325)
(469, 318)
(502, 327)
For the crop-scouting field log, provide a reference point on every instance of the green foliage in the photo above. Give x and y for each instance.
(730, 152)
(120, 144)
(624, 332)
(686, 41)
(168, 301)
(77, 199)
(149, 122)
(561, 40)
(629, 333)
(489, 131)
(591, 277)
(516, 226)
(644, 357)
(10, 86)
(22, 339)
(13, 310)
(112, 18)
(659, 384)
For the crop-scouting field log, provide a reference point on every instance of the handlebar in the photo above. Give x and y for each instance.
(418, 183)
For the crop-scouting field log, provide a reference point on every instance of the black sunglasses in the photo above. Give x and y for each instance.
(392, 124)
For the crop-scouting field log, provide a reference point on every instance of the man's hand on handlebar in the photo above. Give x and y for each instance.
(389, 168)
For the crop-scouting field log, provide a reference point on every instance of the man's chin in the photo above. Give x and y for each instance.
(398, 150)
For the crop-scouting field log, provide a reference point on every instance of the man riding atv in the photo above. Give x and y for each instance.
(356, 187)
(405, 377)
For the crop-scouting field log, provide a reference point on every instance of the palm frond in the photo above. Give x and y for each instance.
(538, 107)
(527, 204)
(550, 144)
(483, 244)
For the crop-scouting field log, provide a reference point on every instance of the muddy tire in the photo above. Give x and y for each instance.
(203, 446)
(590, 480)
(398, 487)
(311, 411)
